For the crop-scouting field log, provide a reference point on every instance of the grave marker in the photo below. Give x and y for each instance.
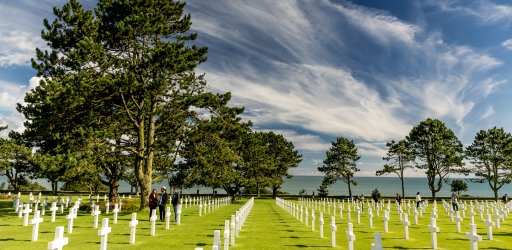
(434, 229)
(35, 228)
(377, 238)
(153, 222)
(133, 227)
(70, 217)
(351, 237)
(26, 213)
(473, 237)
(489, 224)
(103, 232)
(116, 211)
(53, 208)
(333, 231)
(406, 224)
(59, 240)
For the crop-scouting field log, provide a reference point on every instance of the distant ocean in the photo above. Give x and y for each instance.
(387, 186)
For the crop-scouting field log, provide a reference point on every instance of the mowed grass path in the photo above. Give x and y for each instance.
(270, 227)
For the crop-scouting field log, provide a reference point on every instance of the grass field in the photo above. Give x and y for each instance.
(267, 227)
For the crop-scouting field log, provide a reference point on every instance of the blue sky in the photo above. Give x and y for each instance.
(316, 70)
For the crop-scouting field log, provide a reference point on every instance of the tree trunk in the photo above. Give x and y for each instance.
(274, 192)
(349, 189)
(495, 194)
(403, 189)
(113, 189)
(55, 185)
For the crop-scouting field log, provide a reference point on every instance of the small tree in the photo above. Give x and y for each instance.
(458, 186)
(400, 154)
(323, 190)
(340, 163)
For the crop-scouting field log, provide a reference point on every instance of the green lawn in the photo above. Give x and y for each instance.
(267, 227)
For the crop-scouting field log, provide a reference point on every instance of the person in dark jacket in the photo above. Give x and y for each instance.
(162, 202)
(175, 202)
(153, 202)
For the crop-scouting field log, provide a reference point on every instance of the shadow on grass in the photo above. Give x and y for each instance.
(11, 239)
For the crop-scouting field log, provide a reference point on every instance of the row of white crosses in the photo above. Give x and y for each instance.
(232, 229)
(212, 204)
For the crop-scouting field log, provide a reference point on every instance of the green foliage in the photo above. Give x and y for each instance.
(302, 192)
(124, 68)
(437, 150)
(400, 155)
(28, 185)
(458, 186)
(490, 156)
(376, 192)
(323, 190)
(340, 163)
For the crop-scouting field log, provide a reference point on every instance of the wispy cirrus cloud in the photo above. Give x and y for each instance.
(373, 101)
(487, 12)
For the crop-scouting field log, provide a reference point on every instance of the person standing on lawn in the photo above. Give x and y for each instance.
(175, 202)
(153, 202)
(162, 202)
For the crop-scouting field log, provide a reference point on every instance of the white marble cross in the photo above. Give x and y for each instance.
(116, 211)
(377, 245)
(386, 220)
(415, 212)
(321, 222)
(96, 214)
(107, 207)
(200, 209)
(473, 237)
(471, 215)
(133, 227)
(434, 229)
(153, 222)
(489, 224)
(70, 217)
(178, 215)
(103, 232)
(20, 210)
(216, 239)
(167, 217)
(35, 228)
(497, 217)
(333, 231)
(406, 224)
(59, 240)
(26, 213)
(351, 237)
(359, 215)
(458, 220)
(53, 208)
(312, 220)
(307, 217)
(226, 234)
(348, 213)
(370, 217)
(232, 230)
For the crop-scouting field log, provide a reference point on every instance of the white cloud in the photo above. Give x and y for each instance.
(485, 11)
(507, 44)
(305, 142)
(489, 111)
(378, 24)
